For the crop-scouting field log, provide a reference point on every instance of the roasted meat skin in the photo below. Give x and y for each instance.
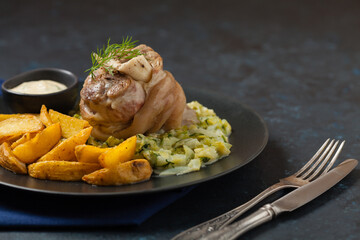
(118, 105)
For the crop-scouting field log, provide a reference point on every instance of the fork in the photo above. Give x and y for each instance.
(318, 165)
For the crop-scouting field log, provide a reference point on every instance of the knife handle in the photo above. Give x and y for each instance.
(264, 214)
(219, 222)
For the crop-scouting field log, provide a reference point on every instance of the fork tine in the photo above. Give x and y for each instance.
(323, 163)
(333, 159)
(312, 160)
(318, 161)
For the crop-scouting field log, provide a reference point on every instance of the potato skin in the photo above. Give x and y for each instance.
(9, 161)
(61, 170)
(45, 117)
(26, 137)
(65, 150)
(38, 146)
(133, 171)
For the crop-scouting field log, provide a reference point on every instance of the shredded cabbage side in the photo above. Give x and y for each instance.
(189, 148)
(182, 150)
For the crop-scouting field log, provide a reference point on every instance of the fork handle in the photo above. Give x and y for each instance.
(225, 219)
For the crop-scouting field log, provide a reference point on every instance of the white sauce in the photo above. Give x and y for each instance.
(39, 87)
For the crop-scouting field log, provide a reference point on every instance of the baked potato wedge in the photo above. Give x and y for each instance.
(7, 116)
(121, 153)
(39, 145)
(45, 117)
(26, 137)
(133, 171)
(70, 126)
(61, 170)
(65, 150)
(14, 127)
(89, 153)
(9, 161)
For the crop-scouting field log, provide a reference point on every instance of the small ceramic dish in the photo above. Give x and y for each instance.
(62, 101)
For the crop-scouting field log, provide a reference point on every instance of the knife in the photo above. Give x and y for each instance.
(288, 203)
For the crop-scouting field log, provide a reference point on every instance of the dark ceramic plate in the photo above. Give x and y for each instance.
(249, 138)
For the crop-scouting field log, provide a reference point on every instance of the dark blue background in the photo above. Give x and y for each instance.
(297, 63)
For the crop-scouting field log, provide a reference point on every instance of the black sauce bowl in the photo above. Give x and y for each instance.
(62, 101)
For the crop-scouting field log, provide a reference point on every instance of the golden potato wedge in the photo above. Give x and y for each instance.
(15, 127)
(61, 170)
(89, 153)
(70, 126)
(121, 153)
(39, 145)
(65, 150)
(9, 161)
(26, 137)
(133, 171)
(45, 117)
(7, 116)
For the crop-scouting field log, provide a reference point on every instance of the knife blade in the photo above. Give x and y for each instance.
(288, 203)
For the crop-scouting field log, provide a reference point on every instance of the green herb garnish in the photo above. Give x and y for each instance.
(205, 159)
(168, 164)
(102, 56)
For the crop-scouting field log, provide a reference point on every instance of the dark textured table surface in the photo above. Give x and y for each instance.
(297, 63)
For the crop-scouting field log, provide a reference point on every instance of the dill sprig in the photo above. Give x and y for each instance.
(102, 56)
